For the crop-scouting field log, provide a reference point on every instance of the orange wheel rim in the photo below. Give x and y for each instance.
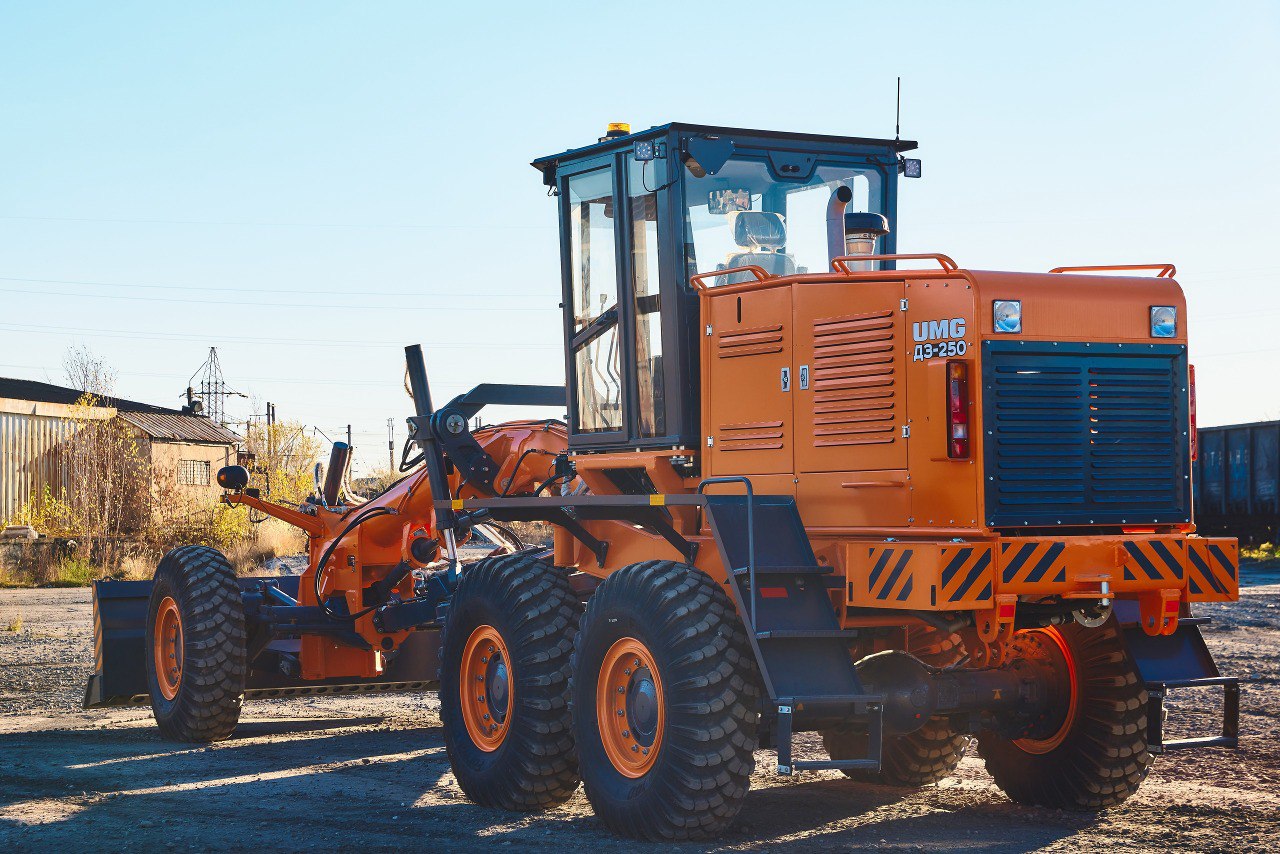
(1072, 684)
(485, 688)
(630, 707)
(167, 647)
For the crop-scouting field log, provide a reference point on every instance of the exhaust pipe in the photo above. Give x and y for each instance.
(852, 233)
(840, 197)
(339, 458)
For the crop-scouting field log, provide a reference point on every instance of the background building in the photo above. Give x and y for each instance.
(38, 419)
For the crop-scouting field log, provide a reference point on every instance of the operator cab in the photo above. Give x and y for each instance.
(641, 213)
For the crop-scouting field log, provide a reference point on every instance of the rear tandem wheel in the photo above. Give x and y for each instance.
(504, 681)
(1090, 751)
(664, 703)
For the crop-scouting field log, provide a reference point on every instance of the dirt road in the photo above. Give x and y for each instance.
(371, 773)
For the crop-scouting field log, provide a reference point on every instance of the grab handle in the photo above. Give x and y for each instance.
(840, 265)
(1167, 271)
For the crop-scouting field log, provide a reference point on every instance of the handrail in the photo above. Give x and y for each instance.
(759, 272)
(944, 261)
(1167, 271)
(751, 536)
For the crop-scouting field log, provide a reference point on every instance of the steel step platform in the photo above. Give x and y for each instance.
(800, 648)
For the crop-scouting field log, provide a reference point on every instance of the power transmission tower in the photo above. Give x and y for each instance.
(212, 390)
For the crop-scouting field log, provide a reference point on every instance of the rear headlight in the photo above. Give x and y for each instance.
(1164, 321)
(1195, 434)
(1007, 315)
(957, 410)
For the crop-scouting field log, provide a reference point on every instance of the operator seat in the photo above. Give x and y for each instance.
(761, 236)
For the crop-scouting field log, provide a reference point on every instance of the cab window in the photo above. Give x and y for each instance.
(594, 282)
(743, 215)
(643, 197)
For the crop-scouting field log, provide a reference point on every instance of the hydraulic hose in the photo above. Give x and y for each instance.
(328, 553)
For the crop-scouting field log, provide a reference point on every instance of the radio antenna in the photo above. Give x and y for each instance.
(897, 116)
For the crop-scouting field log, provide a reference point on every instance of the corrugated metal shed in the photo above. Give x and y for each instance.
(30, 435)
(163, 427)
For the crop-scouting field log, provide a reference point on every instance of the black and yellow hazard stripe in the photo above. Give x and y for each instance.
(1031, 562)
(1154, 560)
(966, 574)
(1211, 571)
(890, 578)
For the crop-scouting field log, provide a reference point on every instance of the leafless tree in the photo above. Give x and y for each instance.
(85, 371)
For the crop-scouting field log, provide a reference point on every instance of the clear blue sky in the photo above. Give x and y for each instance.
(268, 177)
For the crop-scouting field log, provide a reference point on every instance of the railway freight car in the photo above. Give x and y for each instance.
(1237, 481)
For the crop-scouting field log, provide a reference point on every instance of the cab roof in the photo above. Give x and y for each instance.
(897, 145)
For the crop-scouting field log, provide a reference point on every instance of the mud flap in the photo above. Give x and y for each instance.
(119, 651)
(1175, 661)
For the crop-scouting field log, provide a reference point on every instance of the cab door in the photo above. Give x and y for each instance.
(850, 400)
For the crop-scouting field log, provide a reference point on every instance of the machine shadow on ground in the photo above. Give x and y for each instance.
(287, 783)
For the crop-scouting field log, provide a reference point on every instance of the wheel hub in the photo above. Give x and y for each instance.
(629, 707)
(167, 648)
(642, 706)
(1047, 650)
(498, 687)
(484, 688)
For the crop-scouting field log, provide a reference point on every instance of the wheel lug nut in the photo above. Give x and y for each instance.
(645, 751)
(635, 749)
(626, 733)
(480, 699)
(621, 690)
(627, 671)
(486, 717)
(621, 713)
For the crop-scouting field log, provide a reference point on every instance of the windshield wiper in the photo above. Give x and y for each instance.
(593, 330)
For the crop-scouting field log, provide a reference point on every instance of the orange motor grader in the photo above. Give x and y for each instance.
(799, 488)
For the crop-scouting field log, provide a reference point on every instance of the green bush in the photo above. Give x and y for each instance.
(1266, 551)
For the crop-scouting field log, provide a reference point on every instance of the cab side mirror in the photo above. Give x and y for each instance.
(234, 478)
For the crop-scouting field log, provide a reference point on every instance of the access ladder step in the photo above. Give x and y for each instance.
(808, 634)
(743, 572)
(828, 700)
(869, 706)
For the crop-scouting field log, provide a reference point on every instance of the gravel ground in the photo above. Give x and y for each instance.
(371, 771)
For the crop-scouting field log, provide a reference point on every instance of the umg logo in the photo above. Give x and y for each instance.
(937, 339)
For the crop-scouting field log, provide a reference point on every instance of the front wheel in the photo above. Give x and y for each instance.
(196, 646)
(504, 681)
(664, 703)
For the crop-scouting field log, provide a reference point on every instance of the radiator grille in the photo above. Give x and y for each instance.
(1085, 434)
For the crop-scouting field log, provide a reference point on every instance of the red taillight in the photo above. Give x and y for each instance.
(1195, 436)
(957, 410)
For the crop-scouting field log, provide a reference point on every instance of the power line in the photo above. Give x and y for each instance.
(483, 226)
(36, 329)
(289, 291)
(240, 304)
